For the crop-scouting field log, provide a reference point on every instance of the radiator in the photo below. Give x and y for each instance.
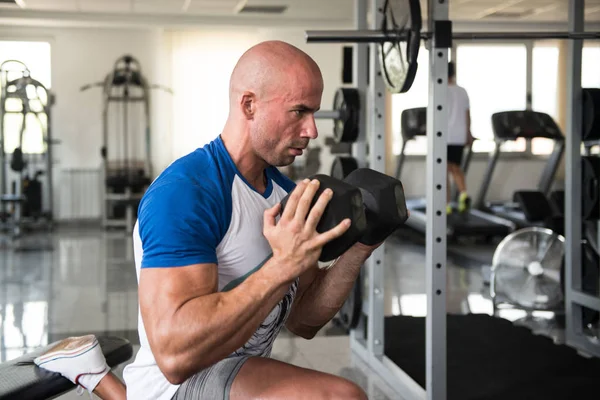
(79, 194)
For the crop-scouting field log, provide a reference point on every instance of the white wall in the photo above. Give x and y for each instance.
(201, 66)
(82, 56)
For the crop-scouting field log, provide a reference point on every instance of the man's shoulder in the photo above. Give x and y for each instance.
(197, 170)
(193, 180)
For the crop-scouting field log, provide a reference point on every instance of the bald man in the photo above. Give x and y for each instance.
(220, 271)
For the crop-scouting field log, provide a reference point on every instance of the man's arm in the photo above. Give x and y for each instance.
(191, 326)
(322, 292)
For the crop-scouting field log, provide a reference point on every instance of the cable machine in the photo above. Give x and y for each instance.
(26, 178)
(126, 141)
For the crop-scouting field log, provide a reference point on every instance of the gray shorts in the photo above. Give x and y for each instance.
(213, 382)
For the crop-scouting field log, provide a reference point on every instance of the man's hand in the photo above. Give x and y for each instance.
(295, 242)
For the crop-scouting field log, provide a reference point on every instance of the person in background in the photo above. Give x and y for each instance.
(459, 136)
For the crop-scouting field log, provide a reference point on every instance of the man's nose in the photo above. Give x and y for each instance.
(310, 128)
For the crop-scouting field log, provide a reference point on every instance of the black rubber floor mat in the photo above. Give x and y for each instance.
(490, 358)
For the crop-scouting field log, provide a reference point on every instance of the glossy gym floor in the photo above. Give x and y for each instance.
(82, 280)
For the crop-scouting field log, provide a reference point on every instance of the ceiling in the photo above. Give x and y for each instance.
(320, 11)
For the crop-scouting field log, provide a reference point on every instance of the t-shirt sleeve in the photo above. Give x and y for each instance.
(180, 224)
(467, 102)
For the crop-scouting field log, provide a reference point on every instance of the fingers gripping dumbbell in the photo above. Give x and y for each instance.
(373, 201)
(346, 202)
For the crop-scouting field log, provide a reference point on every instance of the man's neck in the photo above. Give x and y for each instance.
(248, 164)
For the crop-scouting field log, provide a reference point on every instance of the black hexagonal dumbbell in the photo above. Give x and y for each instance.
(384, 201)
(346, 202)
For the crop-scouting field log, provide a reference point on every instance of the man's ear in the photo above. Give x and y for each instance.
(248, 104)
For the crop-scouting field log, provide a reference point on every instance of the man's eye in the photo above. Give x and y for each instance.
(298, 112)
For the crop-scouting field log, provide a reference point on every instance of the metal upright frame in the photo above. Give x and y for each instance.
(574, 296)
(367, 340)
(435, 261)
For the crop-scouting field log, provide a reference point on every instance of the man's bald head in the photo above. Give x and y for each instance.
(268, 67)
(274, 91)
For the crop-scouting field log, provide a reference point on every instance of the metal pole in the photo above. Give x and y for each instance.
(376, 137)
(327, 114)
(3, 178)
(105, 155)
(148, 128)
(573, 175)
(359, 147)
(361, 79)
(50, 156)
(480, 202)
(529, 87)
(377, 36)
(358, 336)
(435, 264)
(529, 78)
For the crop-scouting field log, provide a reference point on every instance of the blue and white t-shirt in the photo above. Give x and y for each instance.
(202, 210)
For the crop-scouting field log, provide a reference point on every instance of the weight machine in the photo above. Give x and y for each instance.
(394, 41)
(126, 153)
(25, 103)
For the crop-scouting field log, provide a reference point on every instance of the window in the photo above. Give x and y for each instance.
(36, 57)
(495, 77)
(590, 78)
(417, 96)
(545, 80)
(545, 89)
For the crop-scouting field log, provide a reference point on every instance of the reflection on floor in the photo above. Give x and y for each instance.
(87, 284)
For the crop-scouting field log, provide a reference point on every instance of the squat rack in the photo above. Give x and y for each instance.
(367, 339)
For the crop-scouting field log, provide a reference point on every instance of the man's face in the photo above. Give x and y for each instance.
(285, 123)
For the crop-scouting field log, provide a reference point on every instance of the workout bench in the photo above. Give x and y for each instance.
(22, 379)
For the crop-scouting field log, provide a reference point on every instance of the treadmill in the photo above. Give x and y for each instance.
(512, 125)
(473, 223)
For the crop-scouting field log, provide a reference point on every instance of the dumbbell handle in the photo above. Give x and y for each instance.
(327, 114)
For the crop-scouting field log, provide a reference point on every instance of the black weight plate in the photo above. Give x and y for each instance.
(342, 166)
(398, 60)
(590, 175)
(591, 114)
(347, 102)
(590, 270)
(349, 314)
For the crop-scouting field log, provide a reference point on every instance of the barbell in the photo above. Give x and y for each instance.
(400, 36)
(377, 36)
(345, 115)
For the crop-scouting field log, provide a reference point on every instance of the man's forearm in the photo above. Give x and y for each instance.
(208, 328)
(327, 293)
